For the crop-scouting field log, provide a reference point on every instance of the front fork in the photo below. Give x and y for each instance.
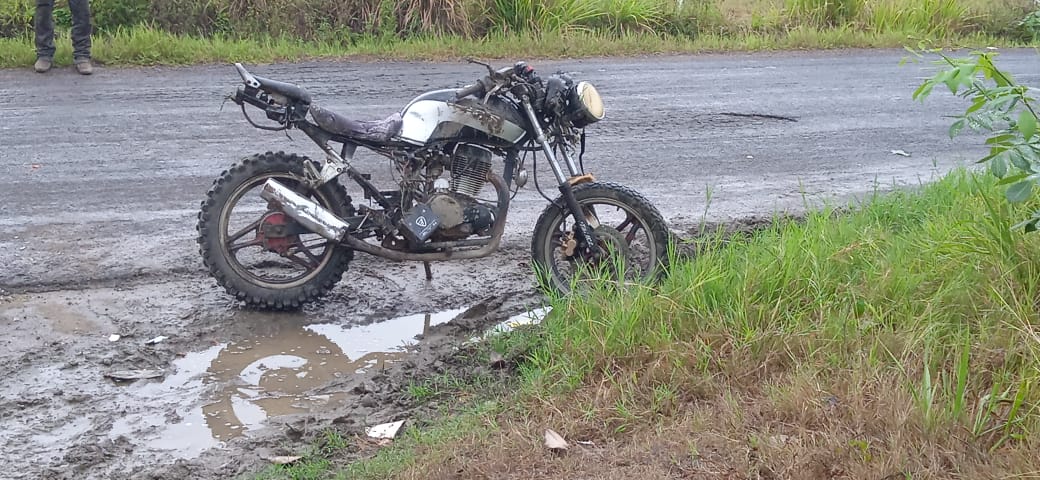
(566, 189)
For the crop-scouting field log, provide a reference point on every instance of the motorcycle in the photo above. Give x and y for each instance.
(291, 243)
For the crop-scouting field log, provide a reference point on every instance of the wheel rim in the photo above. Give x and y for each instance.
(271, 262)
(613, 221)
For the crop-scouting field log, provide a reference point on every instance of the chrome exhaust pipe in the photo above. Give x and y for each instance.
(302, 209)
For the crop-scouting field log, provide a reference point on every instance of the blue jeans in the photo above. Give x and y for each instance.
(44, 25)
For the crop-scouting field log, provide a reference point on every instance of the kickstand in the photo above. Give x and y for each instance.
(429, 273)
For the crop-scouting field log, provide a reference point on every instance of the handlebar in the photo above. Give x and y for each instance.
(475, 89)
(247, 77)
(502, 77)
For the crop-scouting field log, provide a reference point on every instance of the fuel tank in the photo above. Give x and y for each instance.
(437, 116)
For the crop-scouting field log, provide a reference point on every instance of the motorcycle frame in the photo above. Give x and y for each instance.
(338, 164)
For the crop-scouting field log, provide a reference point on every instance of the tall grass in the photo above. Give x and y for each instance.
(536, 15)
(349, 22)
(824, 13)
(151, 46)
(929, 17)
(191, 31)
(898, 339)
(925, 293)
(616, 16)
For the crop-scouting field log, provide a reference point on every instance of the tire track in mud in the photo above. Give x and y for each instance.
(103, 176)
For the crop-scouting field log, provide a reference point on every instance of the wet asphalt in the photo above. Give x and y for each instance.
(103, 174)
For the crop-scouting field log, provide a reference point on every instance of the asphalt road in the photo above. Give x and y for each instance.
(103, 174)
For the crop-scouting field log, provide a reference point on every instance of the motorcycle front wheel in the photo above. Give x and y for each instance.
(258, 253)
(631, 236)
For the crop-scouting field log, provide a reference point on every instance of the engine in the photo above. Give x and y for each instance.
(452, 212)
(469, 167)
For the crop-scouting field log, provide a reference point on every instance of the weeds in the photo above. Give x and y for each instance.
(903, 326)
(313, 465)
(198, 31)
(824, 13)
(897, 339)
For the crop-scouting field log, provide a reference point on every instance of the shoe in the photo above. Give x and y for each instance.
(43, 64)
(84, 67)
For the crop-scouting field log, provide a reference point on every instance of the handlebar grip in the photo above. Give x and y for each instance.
(476, 88)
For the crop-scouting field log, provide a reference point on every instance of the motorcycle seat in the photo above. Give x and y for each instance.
(372, 131)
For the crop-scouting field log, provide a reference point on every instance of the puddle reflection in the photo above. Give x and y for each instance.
(242, 384)
(268, 377)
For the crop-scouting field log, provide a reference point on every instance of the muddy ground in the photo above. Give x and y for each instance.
(103, 176)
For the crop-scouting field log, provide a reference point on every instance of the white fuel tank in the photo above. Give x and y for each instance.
(436, 116)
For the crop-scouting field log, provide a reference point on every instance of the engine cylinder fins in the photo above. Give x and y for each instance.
(469, 168)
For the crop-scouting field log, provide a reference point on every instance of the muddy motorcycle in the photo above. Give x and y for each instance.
(291, 243)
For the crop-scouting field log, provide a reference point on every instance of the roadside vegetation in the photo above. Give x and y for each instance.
(192, 31)
(898, 338)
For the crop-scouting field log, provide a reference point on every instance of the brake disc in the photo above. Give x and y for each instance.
(609, 240)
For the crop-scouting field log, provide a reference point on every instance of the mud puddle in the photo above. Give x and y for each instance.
(233, 388)
(233, 383)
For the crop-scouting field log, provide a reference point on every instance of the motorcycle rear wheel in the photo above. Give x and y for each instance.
(628, 229)
(244, 253)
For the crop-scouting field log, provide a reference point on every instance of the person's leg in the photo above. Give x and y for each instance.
(43, 22)
(80, 30)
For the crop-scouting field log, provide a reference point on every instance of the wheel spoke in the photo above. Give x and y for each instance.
(632, 233)
(302, 247)
(624, 225)
(304, 263)
(256, 242)
(314, 259)
(238, 234)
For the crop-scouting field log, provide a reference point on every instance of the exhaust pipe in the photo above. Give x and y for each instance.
(311, 215)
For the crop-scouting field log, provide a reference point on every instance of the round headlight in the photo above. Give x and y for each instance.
(591, 101)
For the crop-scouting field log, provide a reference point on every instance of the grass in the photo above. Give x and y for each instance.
(138, 32)
(325, 459)
(899, 340)
(150, 46)
(317, 464)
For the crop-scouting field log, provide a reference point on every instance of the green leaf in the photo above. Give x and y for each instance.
(951, 81)
(998, 167)
(1027, 124)
(1029, 153)
(1029, 225)
(999, 139)
(1018, 160)
(1013, 179)
(965, 74)
(1019, 192)
(994, 154)
(976, 104)
(983, 120)
(1002, 79)
(924, 90)
(956, 128)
